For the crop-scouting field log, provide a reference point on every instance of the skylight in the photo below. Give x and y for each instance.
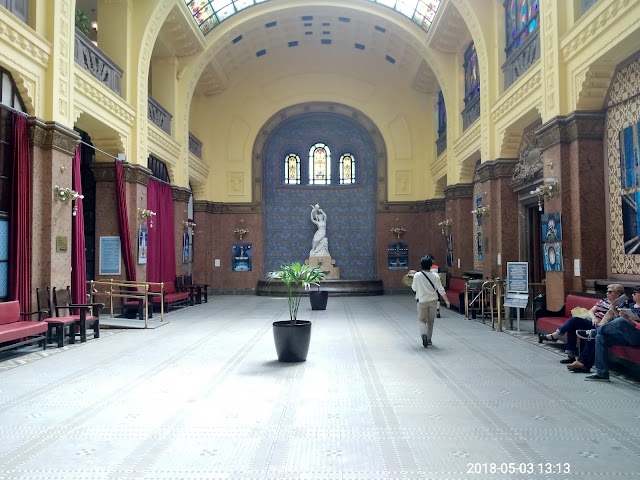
(209, 13)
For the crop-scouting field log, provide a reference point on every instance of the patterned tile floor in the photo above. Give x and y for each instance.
(205, 398)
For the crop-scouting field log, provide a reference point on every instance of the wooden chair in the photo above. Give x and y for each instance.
(89, 316)
(200, 289)
(57, 326)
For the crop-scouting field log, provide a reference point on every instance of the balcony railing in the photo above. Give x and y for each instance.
(195, 145)
(441, 143)
(96, 62)
(471, 112)
(522, 58)
(159, 116)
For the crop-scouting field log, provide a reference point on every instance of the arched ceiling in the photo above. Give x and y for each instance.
(377, 36)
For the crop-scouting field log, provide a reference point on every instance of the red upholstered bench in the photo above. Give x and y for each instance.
(171, 296)
(455, 292)
(15, 331)
(548, 321)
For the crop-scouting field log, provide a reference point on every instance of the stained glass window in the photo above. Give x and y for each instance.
(471, 73)
(521, 17)
(209, 13)
(442, 115)
(347, 169)
(319, 165)
(292, 169)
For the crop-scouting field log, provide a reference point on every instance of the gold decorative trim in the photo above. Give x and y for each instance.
(591, 25)
(102, 96)
(25, 40)
(523, 88)
(52, 135)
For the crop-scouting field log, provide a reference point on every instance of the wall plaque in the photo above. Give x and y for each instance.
(61, 244)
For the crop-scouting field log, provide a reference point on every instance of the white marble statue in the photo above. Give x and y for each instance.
(320, 244)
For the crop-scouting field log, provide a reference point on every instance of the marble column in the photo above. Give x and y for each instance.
(573, 153)
(500, 227)
(459, 203)
(52, 150)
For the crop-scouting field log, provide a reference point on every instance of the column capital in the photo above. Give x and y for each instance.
(133, 173)
(181, 194)
(495, 169)
(460, 190)
(52, 135)
(567, 128)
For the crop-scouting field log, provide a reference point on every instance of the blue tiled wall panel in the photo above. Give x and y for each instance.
(351, 210)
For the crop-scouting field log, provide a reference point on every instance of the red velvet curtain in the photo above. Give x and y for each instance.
(21, 213)
(123, 223)
(78, 254)
(161, 259)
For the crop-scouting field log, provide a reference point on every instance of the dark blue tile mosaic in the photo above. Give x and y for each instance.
(351, 210)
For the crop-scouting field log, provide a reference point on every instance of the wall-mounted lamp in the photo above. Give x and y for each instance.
(481, 211)
(546, 190)
(94, 25)
(65, 195)
(187, 224)
(445, 224)
(240, 232)
(144, 213)
(398, 231)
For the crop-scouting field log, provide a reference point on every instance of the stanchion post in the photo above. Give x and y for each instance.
(162, 302)
(145, 305)
(499, 286)
(466, 300)
(111, 296)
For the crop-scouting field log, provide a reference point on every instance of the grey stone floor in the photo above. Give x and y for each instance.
(205, 398)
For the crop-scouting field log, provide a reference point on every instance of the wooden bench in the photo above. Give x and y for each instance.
(15, 331)
(548, 321)
(170, 297)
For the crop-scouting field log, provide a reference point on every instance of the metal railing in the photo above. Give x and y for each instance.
(97, 63)
(159, 115)
(128, 289)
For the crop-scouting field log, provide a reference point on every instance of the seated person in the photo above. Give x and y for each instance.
(624, 331)
(598, 314)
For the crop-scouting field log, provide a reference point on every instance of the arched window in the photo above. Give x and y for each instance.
(292, 169)
(9, 97)
(442, 115)
(347, 169)
(319, 165)
(471, 74)
(521, 17)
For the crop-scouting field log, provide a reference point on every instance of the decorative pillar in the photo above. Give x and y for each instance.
(500, 226)
(181, 198)
(52, 149)
(459, 201)
(136, 178)
(573, 153)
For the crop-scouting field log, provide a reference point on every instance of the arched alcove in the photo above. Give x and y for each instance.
(351, 209)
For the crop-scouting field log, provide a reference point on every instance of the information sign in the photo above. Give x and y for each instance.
(109, 256)
(517, 277)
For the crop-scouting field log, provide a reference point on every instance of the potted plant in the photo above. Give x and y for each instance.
(292, 337)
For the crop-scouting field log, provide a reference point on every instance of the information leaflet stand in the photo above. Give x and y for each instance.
(517, 291)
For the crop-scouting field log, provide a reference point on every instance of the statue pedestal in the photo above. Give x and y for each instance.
(326, 264)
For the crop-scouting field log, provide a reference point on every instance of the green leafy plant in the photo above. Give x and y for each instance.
(82, 22)
(297, 277)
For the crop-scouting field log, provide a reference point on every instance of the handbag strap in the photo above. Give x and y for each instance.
(432, 285)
